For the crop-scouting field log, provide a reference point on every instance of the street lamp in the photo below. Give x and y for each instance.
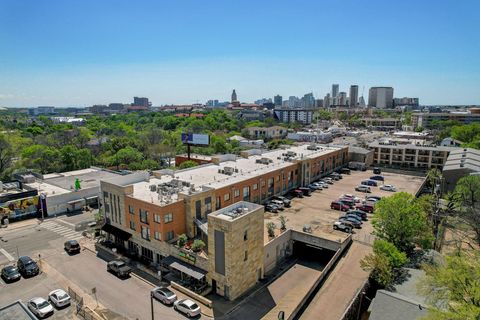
(151, 306)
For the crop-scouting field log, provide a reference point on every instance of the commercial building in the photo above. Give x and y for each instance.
(234, 96)
(335, 89)
(380, 97)
(405, 101)
(427, 120)
(141, 102)
(18, 202)
(66, 191)
(274, 132)
(410, 155)
(277, 100)
(461, 162)
(384, 124)
(291, 115)
(41, 111)
(342, 99)
(353, 95)
(362, 155)
(311, 136)
(215, 202)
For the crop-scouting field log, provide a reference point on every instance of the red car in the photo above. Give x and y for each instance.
(338, 205)
(367, 207)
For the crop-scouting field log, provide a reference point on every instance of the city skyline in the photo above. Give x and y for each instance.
(78, 55)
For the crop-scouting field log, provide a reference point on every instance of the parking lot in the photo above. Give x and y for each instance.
(315, 210)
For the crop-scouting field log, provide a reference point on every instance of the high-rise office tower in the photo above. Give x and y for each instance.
(234, 96)
(137, 101)
(277, 100)
(353, 96)
(327, 101)
(380, 97)
(342, 99)
(335, 88)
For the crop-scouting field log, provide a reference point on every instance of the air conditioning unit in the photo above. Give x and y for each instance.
(153, 187)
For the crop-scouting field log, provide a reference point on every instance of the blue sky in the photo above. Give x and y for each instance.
(79, 53)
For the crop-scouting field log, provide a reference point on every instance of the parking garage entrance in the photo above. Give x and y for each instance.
(311, 256)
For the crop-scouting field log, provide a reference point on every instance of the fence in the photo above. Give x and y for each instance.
(82, 311)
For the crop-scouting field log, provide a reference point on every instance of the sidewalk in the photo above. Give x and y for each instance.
(22, 224)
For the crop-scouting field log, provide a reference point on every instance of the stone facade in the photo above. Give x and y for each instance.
(243, 249)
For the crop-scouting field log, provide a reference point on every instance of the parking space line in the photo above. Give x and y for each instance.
(7, 255)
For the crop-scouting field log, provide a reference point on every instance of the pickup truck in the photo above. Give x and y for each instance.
(119, 268)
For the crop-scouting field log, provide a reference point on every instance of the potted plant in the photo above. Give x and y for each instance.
(271, 229)
(182, 240)
(283, 223)
(198, 245)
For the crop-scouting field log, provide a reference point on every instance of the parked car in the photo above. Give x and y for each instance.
(337, 174)
(343, 225)
(323, 184)
(297, 193)
(351, 196)
(72, 246)
(327, 180)
(377, 170)
(119, 268)
(187, 306)
(363, 188)
(315, 186)
(270, 207)
(27, 267)
(348, 201)
(359, 213)
(375, 198)
(352, 216)
(367, 207)
(10, 274)
(377, 178)
(278, 203)
(338, 205)
(345, 171)
(306, 191)
(388, 187)
(59, 298)
(357, 224)
(334, 177)
(318, 184)
(369, 183)
(40, 307)
(164, 295)
(286, 202)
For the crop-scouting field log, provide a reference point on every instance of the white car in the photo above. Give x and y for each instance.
(351, 196)
(164, 295)
(40, 307)
(388, 187)
(362, 188)
(59, 298)
(187, 306)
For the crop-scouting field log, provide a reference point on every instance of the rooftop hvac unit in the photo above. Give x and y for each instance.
(229, 170)
(236, 170)
(153, 187)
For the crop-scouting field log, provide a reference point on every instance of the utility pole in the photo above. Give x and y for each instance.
(151, 306)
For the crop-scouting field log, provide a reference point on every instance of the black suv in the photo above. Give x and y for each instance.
(27, 267)
(72, 246)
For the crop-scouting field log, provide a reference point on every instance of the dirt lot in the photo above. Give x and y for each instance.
(315, 210)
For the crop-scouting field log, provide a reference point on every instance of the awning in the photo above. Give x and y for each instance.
(202, 225)
(184, 267)
(117, 232)
(92, 198)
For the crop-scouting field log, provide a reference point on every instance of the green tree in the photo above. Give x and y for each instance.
(283, 223)
(467, 195)
(187, 164)
(325, 115)
(384, 263)
(182, 240)
(198, 245)
(6, 155)
(433, 177)
(126, 156)
(452, 288)
(43, 158)
(401, 220)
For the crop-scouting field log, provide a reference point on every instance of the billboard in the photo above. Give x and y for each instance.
(196, 139)
(17, 209)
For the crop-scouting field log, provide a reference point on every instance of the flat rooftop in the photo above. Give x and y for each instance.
(211, 176)
(64, 182)
(16, 310)
(235, 210)
(393, 145)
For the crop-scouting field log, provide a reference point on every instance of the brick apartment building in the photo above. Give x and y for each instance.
(146, 214)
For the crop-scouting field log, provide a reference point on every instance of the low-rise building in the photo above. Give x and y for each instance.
(292, 115)
(427, 120)
(146, 214)
(362, 155)
(274, 132)
(18, 202)
(311, 136)
(410, 155)
(382, 123)
(461, 162)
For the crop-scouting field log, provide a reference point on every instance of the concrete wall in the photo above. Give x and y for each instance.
(317, 241)
(276, 250)
(58, 203)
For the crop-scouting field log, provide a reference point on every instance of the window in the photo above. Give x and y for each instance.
(157, 218)
(144, 216)
(262, 183)
(245, 258)
(168, 218)
(170, 235)
(131, 209)
(226, 197)
(255, 186)
(208, 205)
(145, 233)
(245, 235)
(236, 193)
(105, 194)
(277, 178)
(107, 208)
(158, 235)
(246, 193)
(132, 225)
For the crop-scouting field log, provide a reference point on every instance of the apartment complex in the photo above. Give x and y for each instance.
(146, 214)
(427, 120)
(267, 132)
(292, 115)
(410, 155)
